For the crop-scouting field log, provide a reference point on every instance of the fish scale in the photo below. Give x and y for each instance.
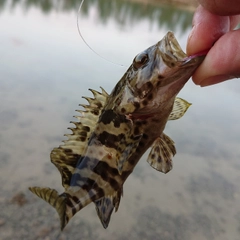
(114, 130)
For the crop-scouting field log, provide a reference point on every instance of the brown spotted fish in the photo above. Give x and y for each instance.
(115, 130)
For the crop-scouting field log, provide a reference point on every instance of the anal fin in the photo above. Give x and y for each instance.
(161, 154)
(105, 206)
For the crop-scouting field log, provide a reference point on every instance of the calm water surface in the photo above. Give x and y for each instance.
(45, 70)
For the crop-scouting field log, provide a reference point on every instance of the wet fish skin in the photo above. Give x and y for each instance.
(115, 130)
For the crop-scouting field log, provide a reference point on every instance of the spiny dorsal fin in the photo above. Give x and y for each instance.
(66, 156)
(52, 197)
(179, 108)
(105, 206)
(161, 154)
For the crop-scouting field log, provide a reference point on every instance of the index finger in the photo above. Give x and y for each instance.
(207, 29)
(221, 7)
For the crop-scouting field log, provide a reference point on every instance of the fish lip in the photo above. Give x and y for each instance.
(193, 59)
(175, 51)
(170, 47)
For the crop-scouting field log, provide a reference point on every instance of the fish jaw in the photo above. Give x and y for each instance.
(172, 84)
(172, 68)
(154, 78)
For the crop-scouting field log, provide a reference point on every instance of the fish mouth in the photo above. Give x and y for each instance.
(194, 59)
(174, 55)
(171, 50)
(174, 64)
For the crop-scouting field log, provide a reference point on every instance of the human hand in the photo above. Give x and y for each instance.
(213, 25)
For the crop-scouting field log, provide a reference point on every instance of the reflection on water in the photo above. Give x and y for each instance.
(124, 12)
(46, 68)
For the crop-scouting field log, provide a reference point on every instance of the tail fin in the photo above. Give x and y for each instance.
(54, 199)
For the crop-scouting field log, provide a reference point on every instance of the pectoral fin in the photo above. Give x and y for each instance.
(127, 152)
(161, 154)
(105, 206)
(179, 108)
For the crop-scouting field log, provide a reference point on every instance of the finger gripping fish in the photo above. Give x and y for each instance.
(114, 131)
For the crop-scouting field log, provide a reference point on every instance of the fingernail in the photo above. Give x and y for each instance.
(214, 80)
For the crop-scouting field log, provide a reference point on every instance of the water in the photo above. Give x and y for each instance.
(46, 68)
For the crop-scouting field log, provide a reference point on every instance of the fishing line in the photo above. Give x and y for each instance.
(79, 31)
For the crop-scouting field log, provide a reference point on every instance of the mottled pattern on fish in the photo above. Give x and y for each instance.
(115, 130)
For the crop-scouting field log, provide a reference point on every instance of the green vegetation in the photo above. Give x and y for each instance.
(124, 12)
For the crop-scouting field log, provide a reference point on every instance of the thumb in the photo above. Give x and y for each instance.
(222, 61)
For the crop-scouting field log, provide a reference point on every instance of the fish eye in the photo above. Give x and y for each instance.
(140, 60)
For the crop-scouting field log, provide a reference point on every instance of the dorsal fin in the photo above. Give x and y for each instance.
(66, 156)
(179, 108)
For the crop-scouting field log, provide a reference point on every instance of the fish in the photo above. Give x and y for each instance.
(114, 130)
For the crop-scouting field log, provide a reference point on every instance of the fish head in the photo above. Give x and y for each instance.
(155, 77)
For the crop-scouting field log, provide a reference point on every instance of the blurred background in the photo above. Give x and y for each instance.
(46, 68)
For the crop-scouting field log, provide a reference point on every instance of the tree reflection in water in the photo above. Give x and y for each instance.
(123, 11)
